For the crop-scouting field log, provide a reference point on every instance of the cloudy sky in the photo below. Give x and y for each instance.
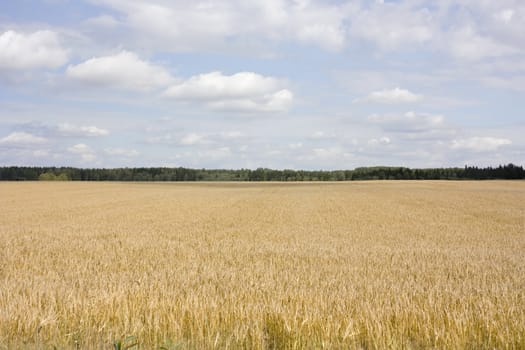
(301, 84)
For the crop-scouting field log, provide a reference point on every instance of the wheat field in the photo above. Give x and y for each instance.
(360, 265)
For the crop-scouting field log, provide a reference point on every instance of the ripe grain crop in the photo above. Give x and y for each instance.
(361, 265)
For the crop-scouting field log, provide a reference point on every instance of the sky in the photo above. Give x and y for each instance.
(285, 84)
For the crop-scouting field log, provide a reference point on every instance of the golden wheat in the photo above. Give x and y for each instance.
(364, 265)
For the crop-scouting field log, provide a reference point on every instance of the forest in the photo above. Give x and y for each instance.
(21, 173)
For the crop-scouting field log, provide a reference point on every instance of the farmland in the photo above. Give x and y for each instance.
(364, 265)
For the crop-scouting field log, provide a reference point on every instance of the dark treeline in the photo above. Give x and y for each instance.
(509, 171)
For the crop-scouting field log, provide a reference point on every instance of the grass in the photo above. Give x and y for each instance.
(361, 265)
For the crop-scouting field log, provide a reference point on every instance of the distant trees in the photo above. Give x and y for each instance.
(49, 176)
(509, 171)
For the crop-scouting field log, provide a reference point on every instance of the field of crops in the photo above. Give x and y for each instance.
(364, 265)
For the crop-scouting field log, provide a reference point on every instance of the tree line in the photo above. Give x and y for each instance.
(17, 173)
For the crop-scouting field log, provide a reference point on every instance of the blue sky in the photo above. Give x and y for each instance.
(278, 83)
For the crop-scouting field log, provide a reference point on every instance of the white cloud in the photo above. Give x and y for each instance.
(479, 144)
(161, 139)
(215, 154)
(41, 153)
(243, 91)
(393, 25)
(319, 25)
(469, 30)
(41, 49)
(103, 21)
(322, 135)
(22, 138)
(514, 82)
(197, 138)
(66, 129)
(122, 70)
(381, 141)
(466, 43)
(505, 15)
(323, 154)
(80, 148)
(215, 85)
(279, 101)
(408, 122)
(193, 139)
(393, 96)
(84, 151)
(192, 25)
(496, 27)
(122, 152)
(89, 157)
(231, 135)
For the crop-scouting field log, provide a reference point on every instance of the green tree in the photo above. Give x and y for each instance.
(47, 177)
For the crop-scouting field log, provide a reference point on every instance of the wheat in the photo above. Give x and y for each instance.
(364, 265)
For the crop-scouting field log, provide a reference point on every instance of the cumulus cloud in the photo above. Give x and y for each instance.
(193, 139)
(216, 153)
(41, 153)
(318, 24)
(279, 101)
(322, 135)
(192, 25)
(330, 154)
(231, 135)
(67, 129)
(123, 152)
(381, 141)
(243, 91)
(468, 30)
(85, 152)
(408, 122)
(40, 49)
(505, 15)
(123, 70)
(197, 138)
(393, 96)
(21, 139)
(393, 25)
(489, 29)
(215, 85)
(466, 43)
(479, 144)
(79, 148)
